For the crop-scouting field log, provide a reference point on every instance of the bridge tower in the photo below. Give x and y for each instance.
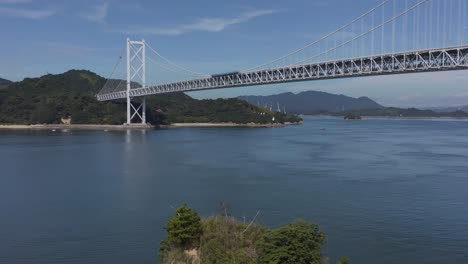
(136, 78)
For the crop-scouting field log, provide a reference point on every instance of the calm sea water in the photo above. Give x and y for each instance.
(385, 191)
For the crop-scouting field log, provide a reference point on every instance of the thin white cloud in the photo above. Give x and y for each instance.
(26, 13)
(204, 24)
(97, 14)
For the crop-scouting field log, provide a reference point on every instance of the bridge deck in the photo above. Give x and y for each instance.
(454, 58)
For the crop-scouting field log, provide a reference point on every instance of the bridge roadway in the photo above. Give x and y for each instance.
(453, 58)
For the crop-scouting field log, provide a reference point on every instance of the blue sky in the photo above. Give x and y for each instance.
(209, 36)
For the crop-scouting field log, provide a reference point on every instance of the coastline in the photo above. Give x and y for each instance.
(77, 126)
(229, 124)
(136, 126)
(396, 117)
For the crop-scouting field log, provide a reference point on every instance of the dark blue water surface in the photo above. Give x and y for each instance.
(384, 191)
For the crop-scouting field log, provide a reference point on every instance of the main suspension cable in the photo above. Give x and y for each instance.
(319, 40)
(174, 64)
(357, 37)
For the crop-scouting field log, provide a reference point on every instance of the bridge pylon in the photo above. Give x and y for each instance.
(136, 78)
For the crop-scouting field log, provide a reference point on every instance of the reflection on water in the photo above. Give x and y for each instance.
(385, 191)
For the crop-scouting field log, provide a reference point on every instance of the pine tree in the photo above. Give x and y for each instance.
(184, 228)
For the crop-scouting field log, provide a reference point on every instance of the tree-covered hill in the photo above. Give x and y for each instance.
(48, 99)
(319, 103)
(313, 102)
(225, 239)
(4, 83)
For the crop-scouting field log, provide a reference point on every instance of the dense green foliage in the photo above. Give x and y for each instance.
(181, 108)
(51, 97)
(352, 117)
(4, 83)
(48, 99)
(184, 228)
(343, 260)
(226, 240)
(223, 239)
(298, 242)
(400, 112)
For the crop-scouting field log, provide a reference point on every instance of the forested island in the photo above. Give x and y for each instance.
(70, 96)
(224, 239)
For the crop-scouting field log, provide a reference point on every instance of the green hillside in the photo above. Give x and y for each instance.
(4, 83)
(313, 102)
(47, 99)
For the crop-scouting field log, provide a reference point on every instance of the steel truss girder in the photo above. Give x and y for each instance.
(455, 58)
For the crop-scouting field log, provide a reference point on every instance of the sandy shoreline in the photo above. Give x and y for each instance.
(135, 126)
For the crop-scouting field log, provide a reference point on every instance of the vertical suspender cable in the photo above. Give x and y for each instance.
(405, 29)
(343, 50)
(363, 42)
(368, 32)
(336, 52)
(393, 27)
(324, 37)
(319, 48)
(464, 22)
(460, 26)
(413, 46)
(174, 64)
(426, 24)
(438, 35)
(327, 44)
(352, 42)
(444, 28)
(373, 35)
(450, 21)
(422, 28)
(431, 14)
(418, 28)
(383, 31)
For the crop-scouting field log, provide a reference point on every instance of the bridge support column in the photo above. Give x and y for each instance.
(136, 78)
(129, 110)
(129, 82)
(143, 111)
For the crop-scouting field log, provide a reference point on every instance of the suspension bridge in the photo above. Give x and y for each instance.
(394, 37)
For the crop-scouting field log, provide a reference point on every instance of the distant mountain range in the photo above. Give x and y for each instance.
(312, 102)
(449, 109)
(402, 113)
(4, 83)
